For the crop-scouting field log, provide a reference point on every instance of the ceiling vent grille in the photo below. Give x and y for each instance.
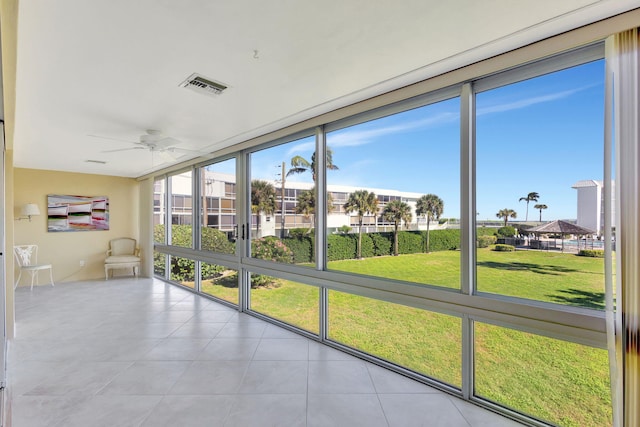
(204, 85)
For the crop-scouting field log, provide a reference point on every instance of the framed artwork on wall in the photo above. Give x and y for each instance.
(77, 213)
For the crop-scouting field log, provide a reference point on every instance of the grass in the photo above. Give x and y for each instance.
(564, 383)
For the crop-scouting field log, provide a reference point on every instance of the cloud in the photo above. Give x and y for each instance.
(523, 103)
(354, 138)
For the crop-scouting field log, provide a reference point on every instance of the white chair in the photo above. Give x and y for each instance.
(27, 259)
(122, 253)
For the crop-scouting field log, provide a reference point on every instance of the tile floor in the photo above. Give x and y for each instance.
(139, 352)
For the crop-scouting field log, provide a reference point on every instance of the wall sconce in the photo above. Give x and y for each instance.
(28, 210)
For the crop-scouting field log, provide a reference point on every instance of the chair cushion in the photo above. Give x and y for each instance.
(119, 259)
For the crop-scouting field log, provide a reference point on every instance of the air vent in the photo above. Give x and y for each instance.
(203, 85)
(100, 162)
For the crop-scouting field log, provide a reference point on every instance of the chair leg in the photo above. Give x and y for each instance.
(51, 276)
(18, 280)
(33, 276)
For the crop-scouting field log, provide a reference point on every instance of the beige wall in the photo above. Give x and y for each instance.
(65, 249)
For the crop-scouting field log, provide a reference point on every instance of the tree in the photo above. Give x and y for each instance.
(306, 203)
(301, 165)
(362, 202)
(396, 211)
(540, 207)
(506, 214)
(431, 206)
(531, 197)
(263, 199)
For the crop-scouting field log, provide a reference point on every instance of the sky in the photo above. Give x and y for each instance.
(540, 135)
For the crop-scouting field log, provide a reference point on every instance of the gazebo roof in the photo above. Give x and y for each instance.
(560, 227)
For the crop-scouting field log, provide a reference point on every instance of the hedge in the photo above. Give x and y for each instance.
(302, 248)
(486, 241)
(504, 248)
(592, 253)
(339, 246)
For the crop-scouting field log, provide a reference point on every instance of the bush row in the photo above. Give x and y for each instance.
(300, 246)
(592, 253)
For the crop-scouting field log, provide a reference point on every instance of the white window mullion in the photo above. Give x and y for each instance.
(467, 227)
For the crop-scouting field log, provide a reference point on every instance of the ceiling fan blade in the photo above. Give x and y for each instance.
(112, 139)
(165, 143)
(167, 156)
(123, 149)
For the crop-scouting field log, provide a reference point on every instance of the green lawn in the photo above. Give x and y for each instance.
(557, 381)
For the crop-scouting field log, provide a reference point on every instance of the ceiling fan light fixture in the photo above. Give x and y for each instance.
(204, 85)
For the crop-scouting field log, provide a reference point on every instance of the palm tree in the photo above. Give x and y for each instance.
(397, 211)
(531, 197)
(300, 165)
(506, 214)
(362, 202)
(540, 207)
(430, 206)
(306, 203)
(263, 199)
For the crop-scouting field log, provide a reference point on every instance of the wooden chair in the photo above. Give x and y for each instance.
(122, 253)
(27, 259)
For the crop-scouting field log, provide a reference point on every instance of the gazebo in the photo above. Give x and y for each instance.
(562, 228)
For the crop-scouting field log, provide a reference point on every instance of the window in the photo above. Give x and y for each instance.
(181, 212)
(218, 230)
(397, 196)
(289, 240)
(539, 150)
(556, 381)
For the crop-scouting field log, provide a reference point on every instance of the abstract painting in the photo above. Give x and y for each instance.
(77, 213)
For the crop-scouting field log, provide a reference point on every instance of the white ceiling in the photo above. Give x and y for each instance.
(113, 68)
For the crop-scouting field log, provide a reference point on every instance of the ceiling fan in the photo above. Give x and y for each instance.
(155, 142)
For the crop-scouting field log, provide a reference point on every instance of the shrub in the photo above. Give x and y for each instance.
(298, 232)
(215, 240)
(592, 253)
(485, 231)
(411, 242)
(301, 247)
(504, 248)
(486, 241)
(507, 231)
(368, 248)
(182, 269)
(271, 248)
(341, 246)
(382, 243)
(443, 240)
(344, 229)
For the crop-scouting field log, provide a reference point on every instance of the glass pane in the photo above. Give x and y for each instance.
(396, 191)
(159, 264)
(182, 271)
(556, 381)
(159, 211)
(181, 211)
(219, 281)
(539, 180)
(283, 169)
(218, 217)
(291, 302)
(420, 340)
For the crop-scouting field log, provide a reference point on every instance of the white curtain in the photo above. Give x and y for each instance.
(623, 68)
